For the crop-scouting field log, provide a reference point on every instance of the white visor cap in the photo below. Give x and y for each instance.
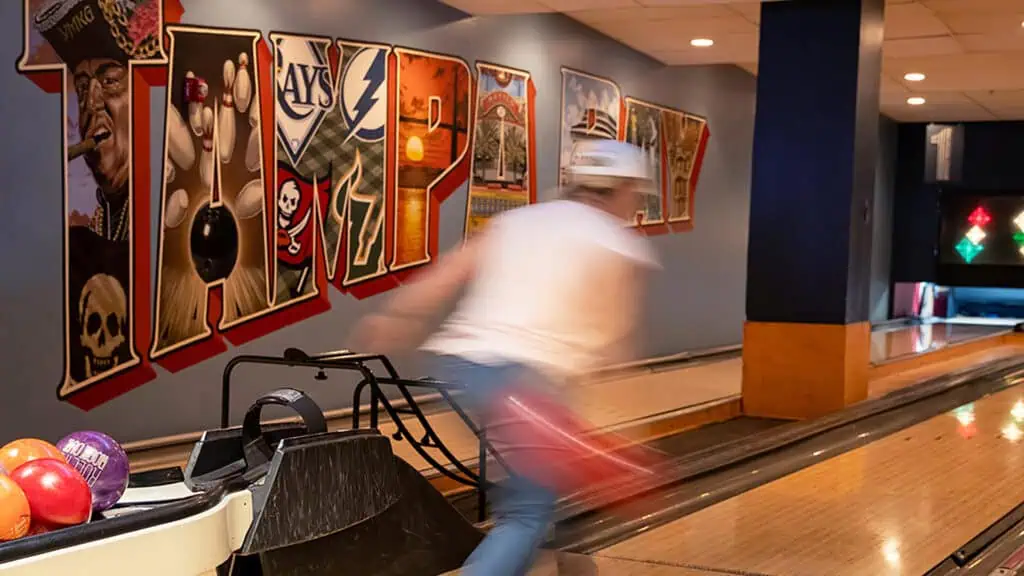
(600, 163)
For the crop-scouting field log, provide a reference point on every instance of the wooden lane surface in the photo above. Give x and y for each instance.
(899, 505)
(548, 564)
(608, 404)
(915, 372)
(887, 345)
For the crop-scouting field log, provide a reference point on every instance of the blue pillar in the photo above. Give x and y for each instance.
(806, 342)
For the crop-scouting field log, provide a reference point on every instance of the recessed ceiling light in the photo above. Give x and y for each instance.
(914, 77)
(702, 42)
(915, 100)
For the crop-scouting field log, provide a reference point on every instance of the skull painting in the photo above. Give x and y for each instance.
(287, 203)
(102, 313)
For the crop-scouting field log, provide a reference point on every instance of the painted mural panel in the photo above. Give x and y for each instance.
(88, 51)
(591, 108)
(331, 117)
(644, 130)
(290, 163)
(213, 224)
(432, 140)
(686, 137)
(502, 173)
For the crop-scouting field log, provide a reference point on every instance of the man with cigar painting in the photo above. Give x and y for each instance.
(96, 39)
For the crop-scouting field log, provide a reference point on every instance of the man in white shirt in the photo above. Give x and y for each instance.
(552, 291)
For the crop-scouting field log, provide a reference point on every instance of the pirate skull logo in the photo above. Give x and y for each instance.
(287, 203)
(287, 208)
(102, 313)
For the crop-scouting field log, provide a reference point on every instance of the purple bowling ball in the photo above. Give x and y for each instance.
(101, 461)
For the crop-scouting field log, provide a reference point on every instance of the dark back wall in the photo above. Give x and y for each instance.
(992, 153)
(696, 302)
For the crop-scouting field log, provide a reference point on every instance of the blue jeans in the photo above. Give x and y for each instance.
(523, 509)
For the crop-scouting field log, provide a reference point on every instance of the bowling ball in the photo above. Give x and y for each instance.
(20, 451)
(38, 528)
(15, 514)
(101, 461)
(56, 492)
(214, 243)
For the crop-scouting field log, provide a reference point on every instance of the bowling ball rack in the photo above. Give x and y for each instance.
(430, 447)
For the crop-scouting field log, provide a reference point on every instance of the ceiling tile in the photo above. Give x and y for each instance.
(992, 42)
(964, 72)
(983, 22)
(568, 5)
(727, 50)
(963, 111)
(682, 2)
(651, 14)
(485, 7)
(917, 47)
(1003, 98)
(912, 21)
(749, 10)
(974, 6)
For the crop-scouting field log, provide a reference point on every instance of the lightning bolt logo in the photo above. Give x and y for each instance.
(363, 96)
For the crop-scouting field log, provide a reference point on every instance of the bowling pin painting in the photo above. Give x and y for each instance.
(213, 191)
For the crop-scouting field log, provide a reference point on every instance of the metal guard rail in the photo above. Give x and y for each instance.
(345, 360)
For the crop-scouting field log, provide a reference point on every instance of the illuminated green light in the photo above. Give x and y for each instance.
(968, 250)
(1019, 238)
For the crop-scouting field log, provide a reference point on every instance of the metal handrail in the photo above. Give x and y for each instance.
(345, 360)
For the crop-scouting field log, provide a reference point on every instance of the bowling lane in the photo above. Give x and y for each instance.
(889, 344)
(899, 505)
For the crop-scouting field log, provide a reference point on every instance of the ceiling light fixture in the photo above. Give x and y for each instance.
(702, 42)
(915, 100)
(914, 77)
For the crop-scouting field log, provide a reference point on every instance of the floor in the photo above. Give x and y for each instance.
(917, 496)
(627, 401)
(897, 506)
(892, 344)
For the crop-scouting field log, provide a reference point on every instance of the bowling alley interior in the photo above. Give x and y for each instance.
(208, 196)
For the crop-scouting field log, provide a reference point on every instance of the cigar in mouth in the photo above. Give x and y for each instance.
(86, 146)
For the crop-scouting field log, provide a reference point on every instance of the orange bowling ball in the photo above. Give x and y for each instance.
(15, 516)
(24, 450)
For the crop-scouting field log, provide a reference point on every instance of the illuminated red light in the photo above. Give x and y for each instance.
(979, 217)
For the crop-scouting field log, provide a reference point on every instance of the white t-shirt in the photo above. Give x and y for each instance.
(537, 297)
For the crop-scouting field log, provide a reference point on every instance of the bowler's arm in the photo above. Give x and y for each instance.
(438, 284)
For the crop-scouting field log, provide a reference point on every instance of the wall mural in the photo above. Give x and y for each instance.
(291, 164)
(502, 173)
(674, 141)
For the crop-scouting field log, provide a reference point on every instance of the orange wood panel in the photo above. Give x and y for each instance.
(899, 505)
(793, 370)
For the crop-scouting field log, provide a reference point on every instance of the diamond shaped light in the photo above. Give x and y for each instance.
(968, 250)
(979, 217)
(1019, 221)
(975, 235)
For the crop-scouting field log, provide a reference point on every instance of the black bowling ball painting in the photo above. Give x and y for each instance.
(213, 230)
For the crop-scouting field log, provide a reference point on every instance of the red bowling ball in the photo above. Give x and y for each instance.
(57, 494)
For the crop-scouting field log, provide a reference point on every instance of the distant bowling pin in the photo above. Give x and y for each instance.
(243, 84)
(254, 113)
(253, 146)
(226, 131)
(195, 107)
(180, 146)
(206, 158)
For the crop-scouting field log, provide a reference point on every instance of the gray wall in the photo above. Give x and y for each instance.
(881, 232)
(697, 302)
